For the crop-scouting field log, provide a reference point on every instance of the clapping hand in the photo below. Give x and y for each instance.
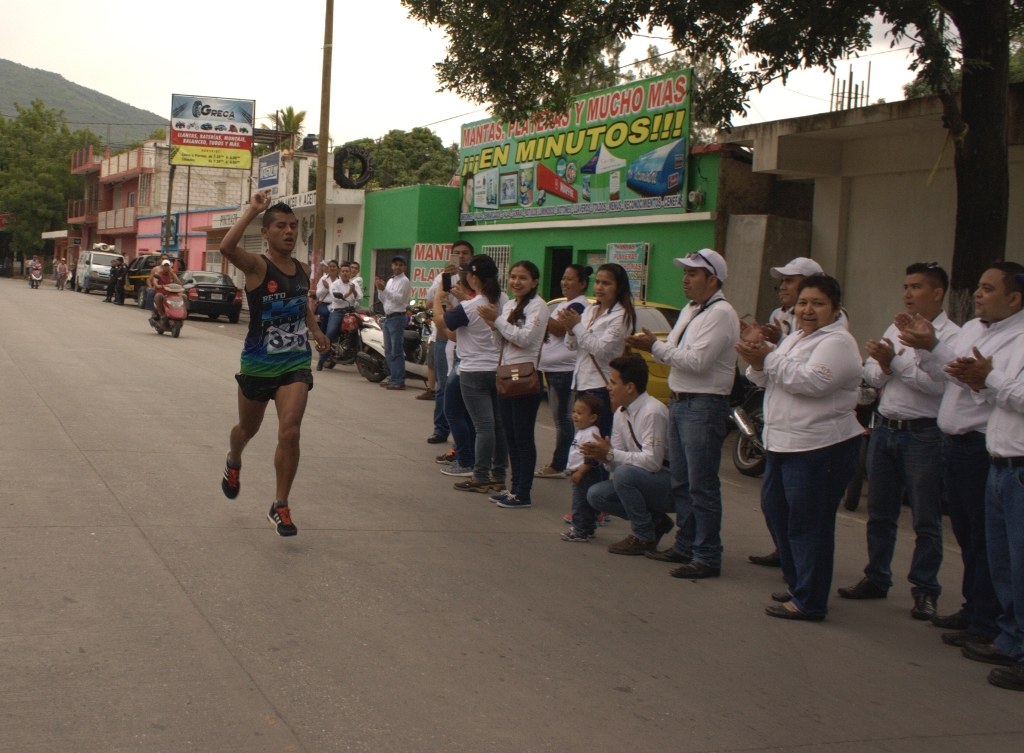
(379, 283)
(882, 351)
(971, 371)
(751, 332)
(597, 450)
(644, 341)
(772, 332)
(915, 331)
(489, 313)
(569, 318)
(753, 348)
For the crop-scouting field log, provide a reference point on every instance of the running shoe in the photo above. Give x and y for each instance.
(505, 494)
(573, 535)
(472, 485)
(448, 458)
(282, 518)
(230, 483)
(512, 502)
(454, 469)
(601, 519)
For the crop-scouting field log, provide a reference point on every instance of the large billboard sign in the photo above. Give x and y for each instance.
(211, 131)
(614, 152)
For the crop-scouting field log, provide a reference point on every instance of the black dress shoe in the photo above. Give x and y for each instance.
(766, 560)
(786, 614)
(986, 652)
(319, 365)
(695, 571)
(952, 621)
(1011, 678)
(667, 555)
(662, 528)
(782, 596)
(436, 439)
(925, 606)
(961, 638)
(866, 589)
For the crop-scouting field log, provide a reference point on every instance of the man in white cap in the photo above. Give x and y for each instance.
(699, 351)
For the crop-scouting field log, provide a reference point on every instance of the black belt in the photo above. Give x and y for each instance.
(680, 396)
(1010, 463)
(906, 424)
(971, 437)
(397, 313)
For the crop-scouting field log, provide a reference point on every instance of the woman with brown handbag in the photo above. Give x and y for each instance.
(519, 333)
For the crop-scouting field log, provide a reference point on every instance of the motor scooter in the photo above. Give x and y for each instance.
(35, 276)
(174, 311)
(371, 361)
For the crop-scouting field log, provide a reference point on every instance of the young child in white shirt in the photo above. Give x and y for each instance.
(586, 412)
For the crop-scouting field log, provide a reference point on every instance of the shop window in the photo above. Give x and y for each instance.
(502, 256)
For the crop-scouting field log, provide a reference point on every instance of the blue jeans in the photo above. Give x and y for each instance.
(641, 497)
(394, 350)
(909, 461)
(323, 313)
(604, 422)
(1004, 521)
(441, 428)
(455, 413)
(519, 419)
(800, 494)
(584, 517)
(481, 396)
(333, 328)
(696, 431)
(560, 400)
(966, 463)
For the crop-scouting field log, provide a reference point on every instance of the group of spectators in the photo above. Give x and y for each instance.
(949, 426)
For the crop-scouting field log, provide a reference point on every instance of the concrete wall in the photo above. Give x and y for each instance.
(757, 243)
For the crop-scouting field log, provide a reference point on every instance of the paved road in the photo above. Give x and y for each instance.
(142, 611)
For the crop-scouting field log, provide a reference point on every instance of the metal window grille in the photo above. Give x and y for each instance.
(502, 256)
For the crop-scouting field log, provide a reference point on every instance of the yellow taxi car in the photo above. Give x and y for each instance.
(659, 319)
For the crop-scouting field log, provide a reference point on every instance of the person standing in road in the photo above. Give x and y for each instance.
(117, 271)
(395, 296)
(702, 363)
(276, 356)
(519, 331)
(963, 419)
(62, 274)
(904, 453)
(599, 335)
(812, 438)
(557, 363)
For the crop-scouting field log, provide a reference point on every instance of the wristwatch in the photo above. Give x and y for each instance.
(610, 456)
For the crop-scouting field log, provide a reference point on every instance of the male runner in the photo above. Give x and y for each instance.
(276, 356)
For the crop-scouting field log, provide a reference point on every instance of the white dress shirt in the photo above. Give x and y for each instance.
(523, 339)
(963, 410)
(909, 392)
(556, 357)
(322, 291)
(811, 386)
(1005, 387)
(700, 348)
(648, 417)
(477, 350)
(395, 295)
(350, 291)
(604, 338)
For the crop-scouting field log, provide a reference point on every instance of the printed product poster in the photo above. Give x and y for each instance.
(633, 257)
(211, 131)
(613, 152)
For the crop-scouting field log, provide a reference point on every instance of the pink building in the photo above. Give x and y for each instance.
(186, 242)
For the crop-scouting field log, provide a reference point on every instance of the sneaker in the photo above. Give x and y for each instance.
(576, 536)
(550, 472)
(567, 517)
(394, 387)
(454, 469)
(230, 483)
(502, 495)
(282, 518)
(603, 518)
(472, 485)
(511, 502)
(448, 458)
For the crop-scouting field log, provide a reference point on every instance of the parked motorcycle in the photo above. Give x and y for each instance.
(370, 360)
(748, 454)
(345, 349)
(174, 311)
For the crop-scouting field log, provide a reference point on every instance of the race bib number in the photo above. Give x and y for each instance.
(285, 341)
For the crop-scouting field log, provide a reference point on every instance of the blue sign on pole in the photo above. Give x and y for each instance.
(269, 173)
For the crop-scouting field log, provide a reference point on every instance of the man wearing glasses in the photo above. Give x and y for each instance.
(905, 451)
(699, 351)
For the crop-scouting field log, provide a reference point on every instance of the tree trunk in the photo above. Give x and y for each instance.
(982, 170)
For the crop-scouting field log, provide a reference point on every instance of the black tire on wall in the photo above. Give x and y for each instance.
(365, 161)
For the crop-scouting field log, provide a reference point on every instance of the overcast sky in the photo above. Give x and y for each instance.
(141, 51)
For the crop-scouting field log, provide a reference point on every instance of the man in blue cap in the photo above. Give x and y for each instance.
(395, 297)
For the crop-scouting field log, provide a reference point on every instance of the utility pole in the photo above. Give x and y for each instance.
(167, 219)
(320, 213)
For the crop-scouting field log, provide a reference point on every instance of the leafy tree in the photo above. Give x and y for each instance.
(407, 158)
(35, 172)
(289, 120)
(524, 57)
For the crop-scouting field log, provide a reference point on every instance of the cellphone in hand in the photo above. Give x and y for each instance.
(446, 282)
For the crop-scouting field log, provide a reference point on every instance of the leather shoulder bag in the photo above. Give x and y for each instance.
(517, 379)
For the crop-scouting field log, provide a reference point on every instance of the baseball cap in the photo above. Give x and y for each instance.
(801, 265)
(166, 261)
(481, 265)
(399, 258)
(706, 259)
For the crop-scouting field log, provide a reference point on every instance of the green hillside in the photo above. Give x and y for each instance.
(84, 108)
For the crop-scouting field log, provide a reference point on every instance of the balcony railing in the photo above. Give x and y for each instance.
(133, 161)
(83, 208)
(117, 220)
(85, 160)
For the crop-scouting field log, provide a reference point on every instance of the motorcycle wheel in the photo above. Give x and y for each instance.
(747, 458)
(375, 373)
(175, 328)
(853, 492)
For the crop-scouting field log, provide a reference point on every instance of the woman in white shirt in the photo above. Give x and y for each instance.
(478, 355)
(812, 439)
(599, 336)
(519, 333)
(557, 363)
